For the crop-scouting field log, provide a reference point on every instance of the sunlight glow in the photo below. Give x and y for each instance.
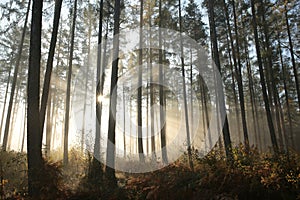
(100, 98)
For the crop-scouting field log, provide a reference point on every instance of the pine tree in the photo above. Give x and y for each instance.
(34, 144)
(220, 95)
(13, 87)
(262, 79)
(68, 94)
(110, 154)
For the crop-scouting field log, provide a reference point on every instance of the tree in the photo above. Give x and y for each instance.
(34, 145)
(5, 99)
(286, 92)
(86, 12)
(270, 70)
(193, 24)
(68, 95)
(161, 92)
(291, 48)
(46, 86)
(184, 92)
(220, 94)
(50, 110)
(262, 79)
(95, 173)
(194, 27)
(152, 97)
(139, 97)
(110, 155)
(13, 87)
(238, 71)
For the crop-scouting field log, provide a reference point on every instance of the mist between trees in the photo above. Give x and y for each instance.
(133, 86)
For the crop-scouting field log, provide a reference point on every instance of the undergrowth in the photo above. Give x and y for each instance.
(250, 175)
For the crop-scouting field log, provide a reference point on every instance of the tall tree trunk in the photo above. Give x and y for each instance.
(34, 145)
(262, 80)
(271, 73)
(252, 98)
(13, 121)
(101, 63)
(54, 135)
(21, 131)
(14, 83)
(5, 100)
(151, 96)
(233, 79)
(184, 92)
(191, 100)
(130, 128)
(204, 94)
(256, 124)
(240, 80)
(124, 120)
(161, 92)
(49, 123)
(282, 124)
(15, 113)
(237, 67)
(49, 68)
(86, 81)
(99, 93)
(139, 96)
(24, 128)
(286, 93)
(203, 112)
(68, 94)
(55, 91)
(221, 100)
(110, 156)
(147, 111)
(292, 51)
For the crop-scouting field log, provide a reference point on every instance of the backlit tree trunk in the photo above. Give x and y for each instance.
(262, 80)
(14, 83)
(139, 96)
(34, 145)
(220, 96)
(68, 94)
(111, 142)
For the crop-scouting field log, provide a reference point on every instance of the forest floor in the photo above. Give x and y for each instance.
(248, 176)
(214, 178)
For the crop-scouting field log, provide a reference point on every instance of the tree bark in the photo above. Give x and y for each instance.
(34, 145)
(14, 83)
(139, 96)
(262, 80)
(238, 70)
(49, 68)
(220, 96)
(5, 100)
(68, 94)
(292, 51)
(271, 74)
(184, 92)
(286, 93)
(232, 73)
(87, 77)
(99, 87)
(161, 92)
(49, 126)
(151, 97)
(110, 156)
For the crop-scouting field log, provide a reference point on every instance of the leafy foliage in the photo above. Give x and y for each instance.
(13, 173)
